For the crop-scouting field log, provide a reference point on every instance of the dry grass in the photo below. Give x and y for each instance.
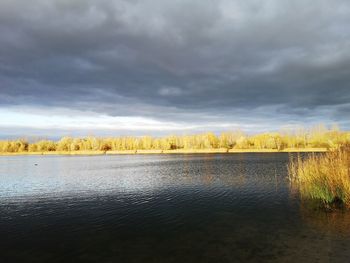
(323, 177)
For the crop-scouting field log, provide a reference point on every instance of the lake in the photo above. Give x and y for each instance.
(161, 208)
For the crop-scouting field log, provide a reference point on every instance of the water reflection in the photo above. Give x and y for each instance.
(335, 222)
(64, 176)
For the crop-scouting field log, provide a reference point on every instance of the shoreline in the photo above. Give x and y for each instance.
(177, 151)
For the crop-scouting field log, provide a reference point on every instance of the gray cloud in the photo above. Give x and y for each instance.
(276, 62)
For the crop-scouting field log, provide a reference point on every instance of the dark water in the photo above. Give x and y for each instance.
(161, 208)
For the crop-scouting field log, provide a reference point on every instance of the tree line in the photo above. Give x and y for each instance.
(316, 137)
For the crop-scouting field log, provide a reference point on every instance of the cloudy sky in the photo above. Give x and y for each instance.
(108, 67)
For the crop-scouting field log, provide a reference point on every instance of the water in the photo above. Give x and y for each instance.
(161, 208)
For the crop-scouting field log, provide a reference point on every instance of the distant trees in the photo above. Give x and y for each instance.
(14, 146)
(229, 139)
(46, 146)
(64, 144)
(318, 136)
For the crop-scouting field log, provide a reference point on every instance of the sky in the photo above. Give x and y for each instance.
(84, 67)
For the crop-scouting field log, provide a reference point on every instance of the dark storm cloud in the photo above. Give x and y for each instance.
(179, 60)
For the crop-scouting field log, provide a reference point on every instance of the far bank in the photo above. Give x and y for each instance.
(177, 151)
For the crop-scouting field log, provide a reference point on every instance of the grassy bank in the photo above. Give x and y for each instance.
(176, 151)
(324, 178)
(286, 150)
(55, 153)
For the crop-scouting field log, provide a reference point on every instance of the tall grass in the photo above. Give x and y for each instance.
(323, 177)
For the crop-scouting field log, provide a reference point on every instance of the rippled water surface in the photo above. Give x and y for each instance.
(161, 208)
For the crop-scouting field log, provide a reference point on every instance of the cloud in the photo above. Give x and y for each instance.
(275, 62)
(170, 91)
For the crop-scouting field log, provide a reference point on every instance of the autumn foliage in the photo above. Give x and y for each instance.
(313, 138)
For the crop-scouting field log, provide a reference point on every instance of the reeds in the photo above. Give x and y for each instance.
(323, 177)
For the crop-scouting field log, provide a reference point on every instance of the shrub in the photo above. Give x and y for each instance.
(323, 177)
